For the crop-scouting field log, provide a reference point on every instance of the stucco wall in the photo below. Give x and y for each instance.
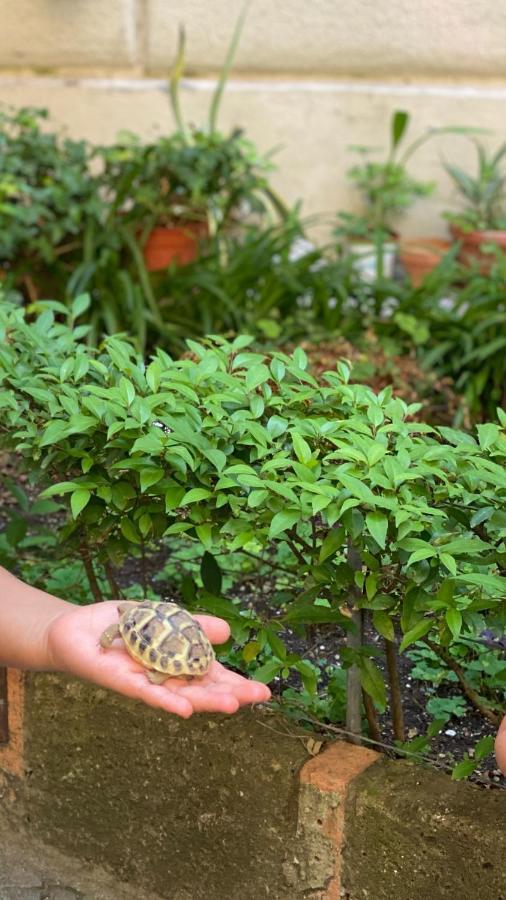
(310, 78)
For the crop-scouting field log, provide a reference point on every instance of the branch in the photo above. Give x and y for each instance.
(472, 695)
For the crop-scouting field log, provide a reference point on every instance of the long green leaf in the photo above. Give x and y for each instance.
(225, 70)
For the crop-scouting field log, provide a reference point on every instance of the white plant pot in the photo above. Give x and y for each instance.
(366, 258)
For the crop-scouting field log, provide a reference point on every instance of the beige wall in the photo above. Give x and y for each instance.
(312, 77)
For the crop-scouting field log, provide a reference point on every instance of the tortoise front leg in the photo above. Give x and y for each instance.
(109, 635)
(157, 677)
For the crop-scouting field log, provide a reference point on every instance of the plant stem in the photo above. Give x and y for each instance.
(354, 642)
(113, 584)
(397, 714)
(90, 574)
(472, 695)
(296, 552)
(372, 719)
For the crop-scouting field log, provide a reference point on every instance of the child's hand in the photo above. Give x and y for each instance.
(73, 647)
(500, 746)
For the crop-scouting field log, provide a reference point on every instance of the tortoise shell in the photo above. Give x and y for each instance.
(165, 638)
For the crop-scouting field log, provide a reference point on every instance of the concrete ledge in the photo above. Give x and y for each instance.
(225, 807)
(412, 832)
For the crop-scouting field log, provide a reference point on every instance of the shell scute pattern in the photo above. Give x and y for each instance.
(165, 638)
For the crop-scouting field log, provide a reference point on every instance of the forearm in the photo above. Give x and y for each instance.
(25, 616)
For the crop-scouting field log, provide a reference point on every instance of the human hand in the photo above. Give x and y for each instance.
(500, 746)
(73, 647)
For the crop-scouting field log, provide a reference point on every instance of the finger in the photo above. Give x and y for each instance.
(135, 685)
(210, 698)
(248, 691)
(217, 630)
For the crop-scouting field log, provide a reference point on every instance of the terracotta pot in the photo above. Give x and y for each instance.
(173, 244)
(472, 243)
(419, 256)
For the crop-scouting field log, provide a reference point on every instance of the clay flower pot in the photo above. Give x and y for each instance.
(419, 256)
(173, 244)
(472, 244)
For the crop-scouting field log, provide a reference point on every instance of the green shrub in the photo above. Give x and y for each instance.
(380, 516)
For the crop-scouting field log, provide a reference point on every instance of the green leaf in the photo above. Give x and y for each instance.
(54, 432)
(372, 682)
(210, 573)
(312, 614)
(419, 555)
(454, 621)
(173, 497)
(153, 375)
(357, 488)
(377, 523)
(283, 520)
(80, 305)
(301, 448)
(256, 375)
(414, 634)
(400, 121)
(216, 457)
(276, 644)
(149, 477)
(251, 650)
(257, 405)
(205, 535)
(278, 369)
(484, 748)
(276, 426)
(449, 562)
(78, 501)
(309, 675)
(129, 531)
(464, 769)
(266, 673)
(383, 624)
(488, 434)
(195, 495)
(333, 541)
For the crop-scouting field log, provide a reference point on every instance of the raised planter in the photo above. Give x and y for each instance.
(419, 256)
(177, 244)
(220, 807)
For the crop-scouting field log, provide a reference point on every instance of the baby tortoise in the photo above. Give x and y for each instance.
(164, 638)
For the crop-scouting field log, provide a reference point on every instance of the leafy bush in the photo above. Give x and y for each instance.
(381, 517)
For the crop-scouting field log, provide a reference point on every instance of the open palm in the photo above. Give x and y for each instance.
(73, 645)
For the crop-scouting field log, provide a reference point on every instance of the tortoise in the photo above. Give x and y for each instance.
(163, 637)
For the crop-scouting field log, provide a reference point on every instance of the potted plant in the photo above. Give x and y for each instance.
(387, 191)
(48, 198)
(192, 185)
(481, 225)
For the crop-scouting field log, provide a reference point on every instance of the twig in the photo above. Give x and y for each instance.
(354, 642)
(372, 719)
(90, 573)
(116, 591)
(469, 692)
(398, 751)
